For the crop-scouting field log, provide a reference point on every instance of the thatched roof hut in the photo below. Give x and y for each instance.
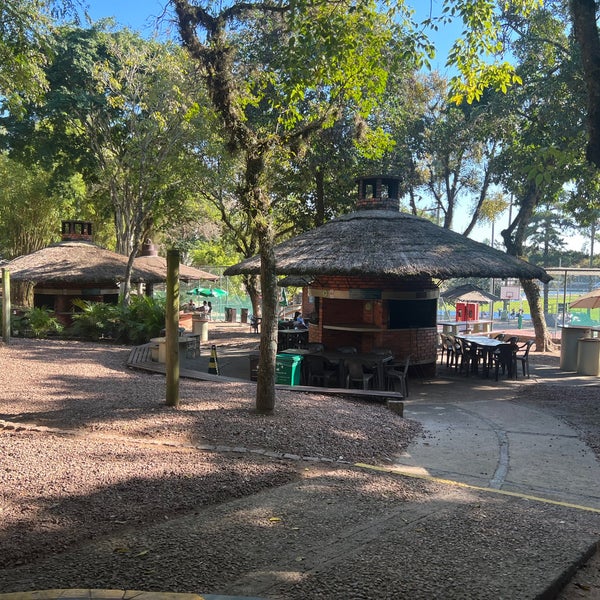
(78, 262)
(388, 243)
(77, 268)
(186, 273)
(374, 274)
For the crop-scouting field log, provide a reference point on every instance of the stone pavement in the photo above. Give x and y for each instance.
(477, 436)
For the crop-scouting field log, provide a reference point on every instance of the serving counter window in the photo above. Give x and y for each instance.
(410, 314)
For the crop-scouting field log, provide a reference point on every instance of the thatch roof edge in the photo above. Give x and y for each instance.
(389, 244)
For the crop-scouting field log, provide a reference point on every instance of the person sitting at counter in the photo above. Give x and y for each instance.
(298, 321)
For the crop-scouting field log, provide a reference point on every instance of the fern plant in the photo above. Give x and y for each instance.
(96, 320)
(41, 322)
(136, 323)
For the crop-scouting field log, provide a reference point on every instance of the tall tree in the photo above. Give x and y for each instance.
(276, 74)
(32, 205)
(544, 149)
(25, 35)
(124, 111)
(585, 25)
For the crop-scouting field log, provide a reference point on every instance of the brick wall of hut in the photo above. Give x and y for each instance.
(418, 342)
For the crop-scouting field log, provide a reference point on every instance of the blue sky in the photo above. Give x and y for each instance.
(139, 15)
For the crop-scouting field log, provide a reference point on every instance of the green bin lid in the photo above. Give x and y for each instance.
(291, 358)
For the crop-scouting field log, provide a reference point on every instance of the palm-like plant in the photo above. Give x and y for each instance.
(41, 321)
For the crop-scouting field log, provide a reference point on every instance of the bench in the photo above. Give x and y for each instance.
(141, 354)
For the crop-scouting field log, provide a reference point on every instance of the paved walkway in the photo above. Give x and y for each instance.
(477, 436)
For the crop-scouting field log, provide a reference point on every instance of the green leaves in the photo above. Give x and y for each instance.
(477, 54)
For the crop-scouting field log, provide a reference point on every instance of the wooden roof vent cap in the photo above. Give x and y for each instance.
(76, 230)
(149, 249)
(380, 192)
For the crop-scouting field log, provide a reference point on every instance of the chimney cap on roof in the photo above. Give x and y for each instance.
(379, 192)
(149, 249)
(76, 230)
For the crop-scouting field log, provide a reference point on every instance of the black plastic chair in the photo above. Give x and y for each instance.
(505, 358)
(359, 373)
(255, 323)
(315, 347)
(319, 371)
(451, 351)
(192, 349)
(397, 376)
(347, 350)
(467, 359)
(524, 357)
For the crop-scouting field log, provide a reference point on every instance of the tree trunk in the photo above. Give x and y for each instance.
(543, 343)
(252, 285)
(514, 237)
(125, 291)
(21, 294)
(6, 333)
(255, 198)
(172, 329)
(583, 13)
(265, 387)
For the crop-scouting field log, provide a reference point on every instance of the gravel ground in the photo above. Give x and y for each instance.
(88, 446)
(89, 450)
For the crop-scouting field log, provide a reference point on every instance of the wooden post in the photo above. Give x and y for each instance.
(5, 306)
(172, 328)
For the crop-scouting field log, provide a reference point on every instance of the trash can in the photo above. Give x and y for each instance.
(230, 314)
(200, 325)
(288, 369)
(568, 346)
(244, 315)
(588, 356)
(253, 367)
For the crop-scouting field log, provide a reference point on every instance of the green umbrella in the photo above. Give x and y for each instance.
(207, 292)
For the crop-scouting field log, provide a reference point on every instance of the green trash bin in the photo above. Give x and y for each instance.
(288, 369)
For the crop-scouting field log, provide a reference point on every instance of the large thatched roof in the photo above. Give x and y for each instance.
(77, 263)
(387, 243)
(185, 273)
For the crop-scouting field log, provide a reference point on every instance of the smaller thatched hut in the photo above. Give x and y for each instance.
(149, 259)
(469, 293)
(77, 268)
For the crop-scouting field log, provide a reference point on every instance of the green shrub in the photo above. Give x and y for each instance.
(143, 318)
(41, 322)
(97, 320)
(135, 324)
